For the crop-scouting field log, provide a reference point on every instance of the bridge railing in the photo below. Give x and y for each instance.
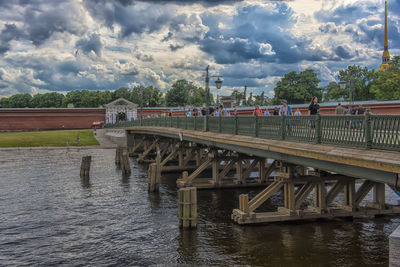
(368, 131)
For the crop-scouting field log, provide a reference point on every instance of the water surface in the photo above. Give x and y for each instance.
(49, 216)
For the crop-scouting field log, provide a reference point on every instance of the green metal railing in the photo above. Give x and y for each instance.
(363, 131)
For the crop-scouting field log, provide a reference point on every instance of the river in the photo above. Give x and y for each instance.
(49, 216)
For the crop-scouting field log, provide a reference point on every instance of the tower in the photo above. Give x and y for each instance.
(385, 56)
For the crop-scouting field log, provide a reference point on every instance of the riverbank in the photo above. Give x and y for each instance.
(58, 138)
(89, 139)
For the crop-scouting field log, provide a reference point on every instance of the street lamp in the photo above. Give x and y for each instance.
(141, 107)
(218, 84)
(343, 85)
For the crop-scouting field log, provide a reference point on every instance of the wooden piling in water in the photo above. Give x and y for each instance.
(85, 166)
(153, 178)
(118, 152)
(125, 165)
(187, 207)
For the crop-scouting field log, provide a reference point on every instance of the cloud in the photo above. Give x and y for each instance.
(91, 44)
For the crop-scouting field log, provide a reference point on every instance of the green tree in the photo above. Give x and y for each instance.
(239, 96)
(122, 92)
(297, 88)
(386, 85)
(20, 101)
(48, 100)
(185, 93)
(358, 82)
(334, 92)
(4, 102)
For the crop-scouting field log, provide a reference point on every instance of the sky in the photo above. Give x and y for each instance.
(63, 45)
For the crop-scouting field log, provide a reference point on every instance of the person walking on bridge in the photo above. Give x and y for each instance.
(313, 108)
(285, 109)
(257, 111)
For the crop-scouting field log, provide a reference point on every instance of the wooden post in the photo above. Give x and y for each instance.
(187, 207)
(153, 183)
(85, 166)
(118, 157)
(124, 161)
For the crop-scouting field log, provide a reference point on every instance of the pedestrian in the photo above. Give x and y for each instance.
(360, 110)
(340, 110)
(297, 112)
(77, 140)
(195, 111)
(266, 113)
(285, 109)
(222, 111)
(313, 108)
(94, 131)
(276, 111)
(257, 111)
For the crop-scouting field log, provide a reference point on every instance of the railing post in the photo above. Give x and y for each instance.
(236, 124)
(170, 122)
(219, 123)
(186, 122)
(318, 128)
(177, 122)
(283, 127)
(256, 126)
(195, 122)
(206, 127)
(368, 130)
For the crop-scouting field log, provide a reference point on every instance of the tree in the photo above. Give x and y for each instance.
(238, 96)
(386, 85)
(297, 88)
(121, 92)
(48, 100)
(334, 92)
(183, 93)
(20, 101)
(358, 82)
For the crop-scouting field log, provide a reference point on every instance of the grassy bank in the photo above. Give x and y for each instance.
(47, 138)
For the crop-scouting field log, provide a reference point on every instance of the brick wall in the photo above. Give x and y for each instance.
(47, 119)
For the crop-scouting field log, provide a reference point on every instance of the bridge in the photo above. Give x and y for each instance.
(313, 158)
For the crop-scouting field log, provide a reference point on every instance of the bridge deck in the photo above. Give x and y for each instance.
(380, 166)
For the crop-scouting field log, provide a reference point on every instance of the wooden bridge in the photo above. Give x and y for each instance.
(316, 157)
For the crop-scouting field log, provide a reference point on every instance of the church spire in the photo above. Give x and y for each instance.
(385, 56)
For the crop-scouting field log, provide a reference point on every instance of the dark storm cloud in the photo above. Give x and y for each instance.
(10, 32)
(132, 19)
(175, 47)
(39, 20)
(93, 43)
(348, 19)
(343, 52)
(251, 28)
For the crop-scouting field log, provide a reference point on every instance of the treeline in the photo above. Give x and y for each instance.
(297, 88)
(182, 93)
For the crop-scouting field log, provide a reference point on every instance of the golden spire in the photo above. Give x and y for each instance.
(386, 55)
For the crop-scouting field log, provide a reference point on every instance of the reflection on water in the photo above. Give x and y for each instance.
(50, 216)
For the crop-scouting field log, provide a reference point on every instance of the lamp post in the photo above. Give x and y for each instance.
(141, 107)
(218, 84)
(343, 85)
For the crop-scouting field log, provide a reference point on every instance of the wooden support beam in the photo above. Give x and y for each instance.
(255, 202)
(335, 190)
(199, 170)
(303, 193)
(363, 191)
(171, 155)
(244, 203)
(250, 168)
(227, 168)
(147, 151)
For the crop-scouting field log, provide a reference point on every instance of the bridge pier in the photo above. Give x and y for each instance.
(228, 169)
(313, 197)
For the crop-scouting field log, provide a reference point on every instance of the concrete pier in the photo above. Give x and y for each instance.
(394, 248)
